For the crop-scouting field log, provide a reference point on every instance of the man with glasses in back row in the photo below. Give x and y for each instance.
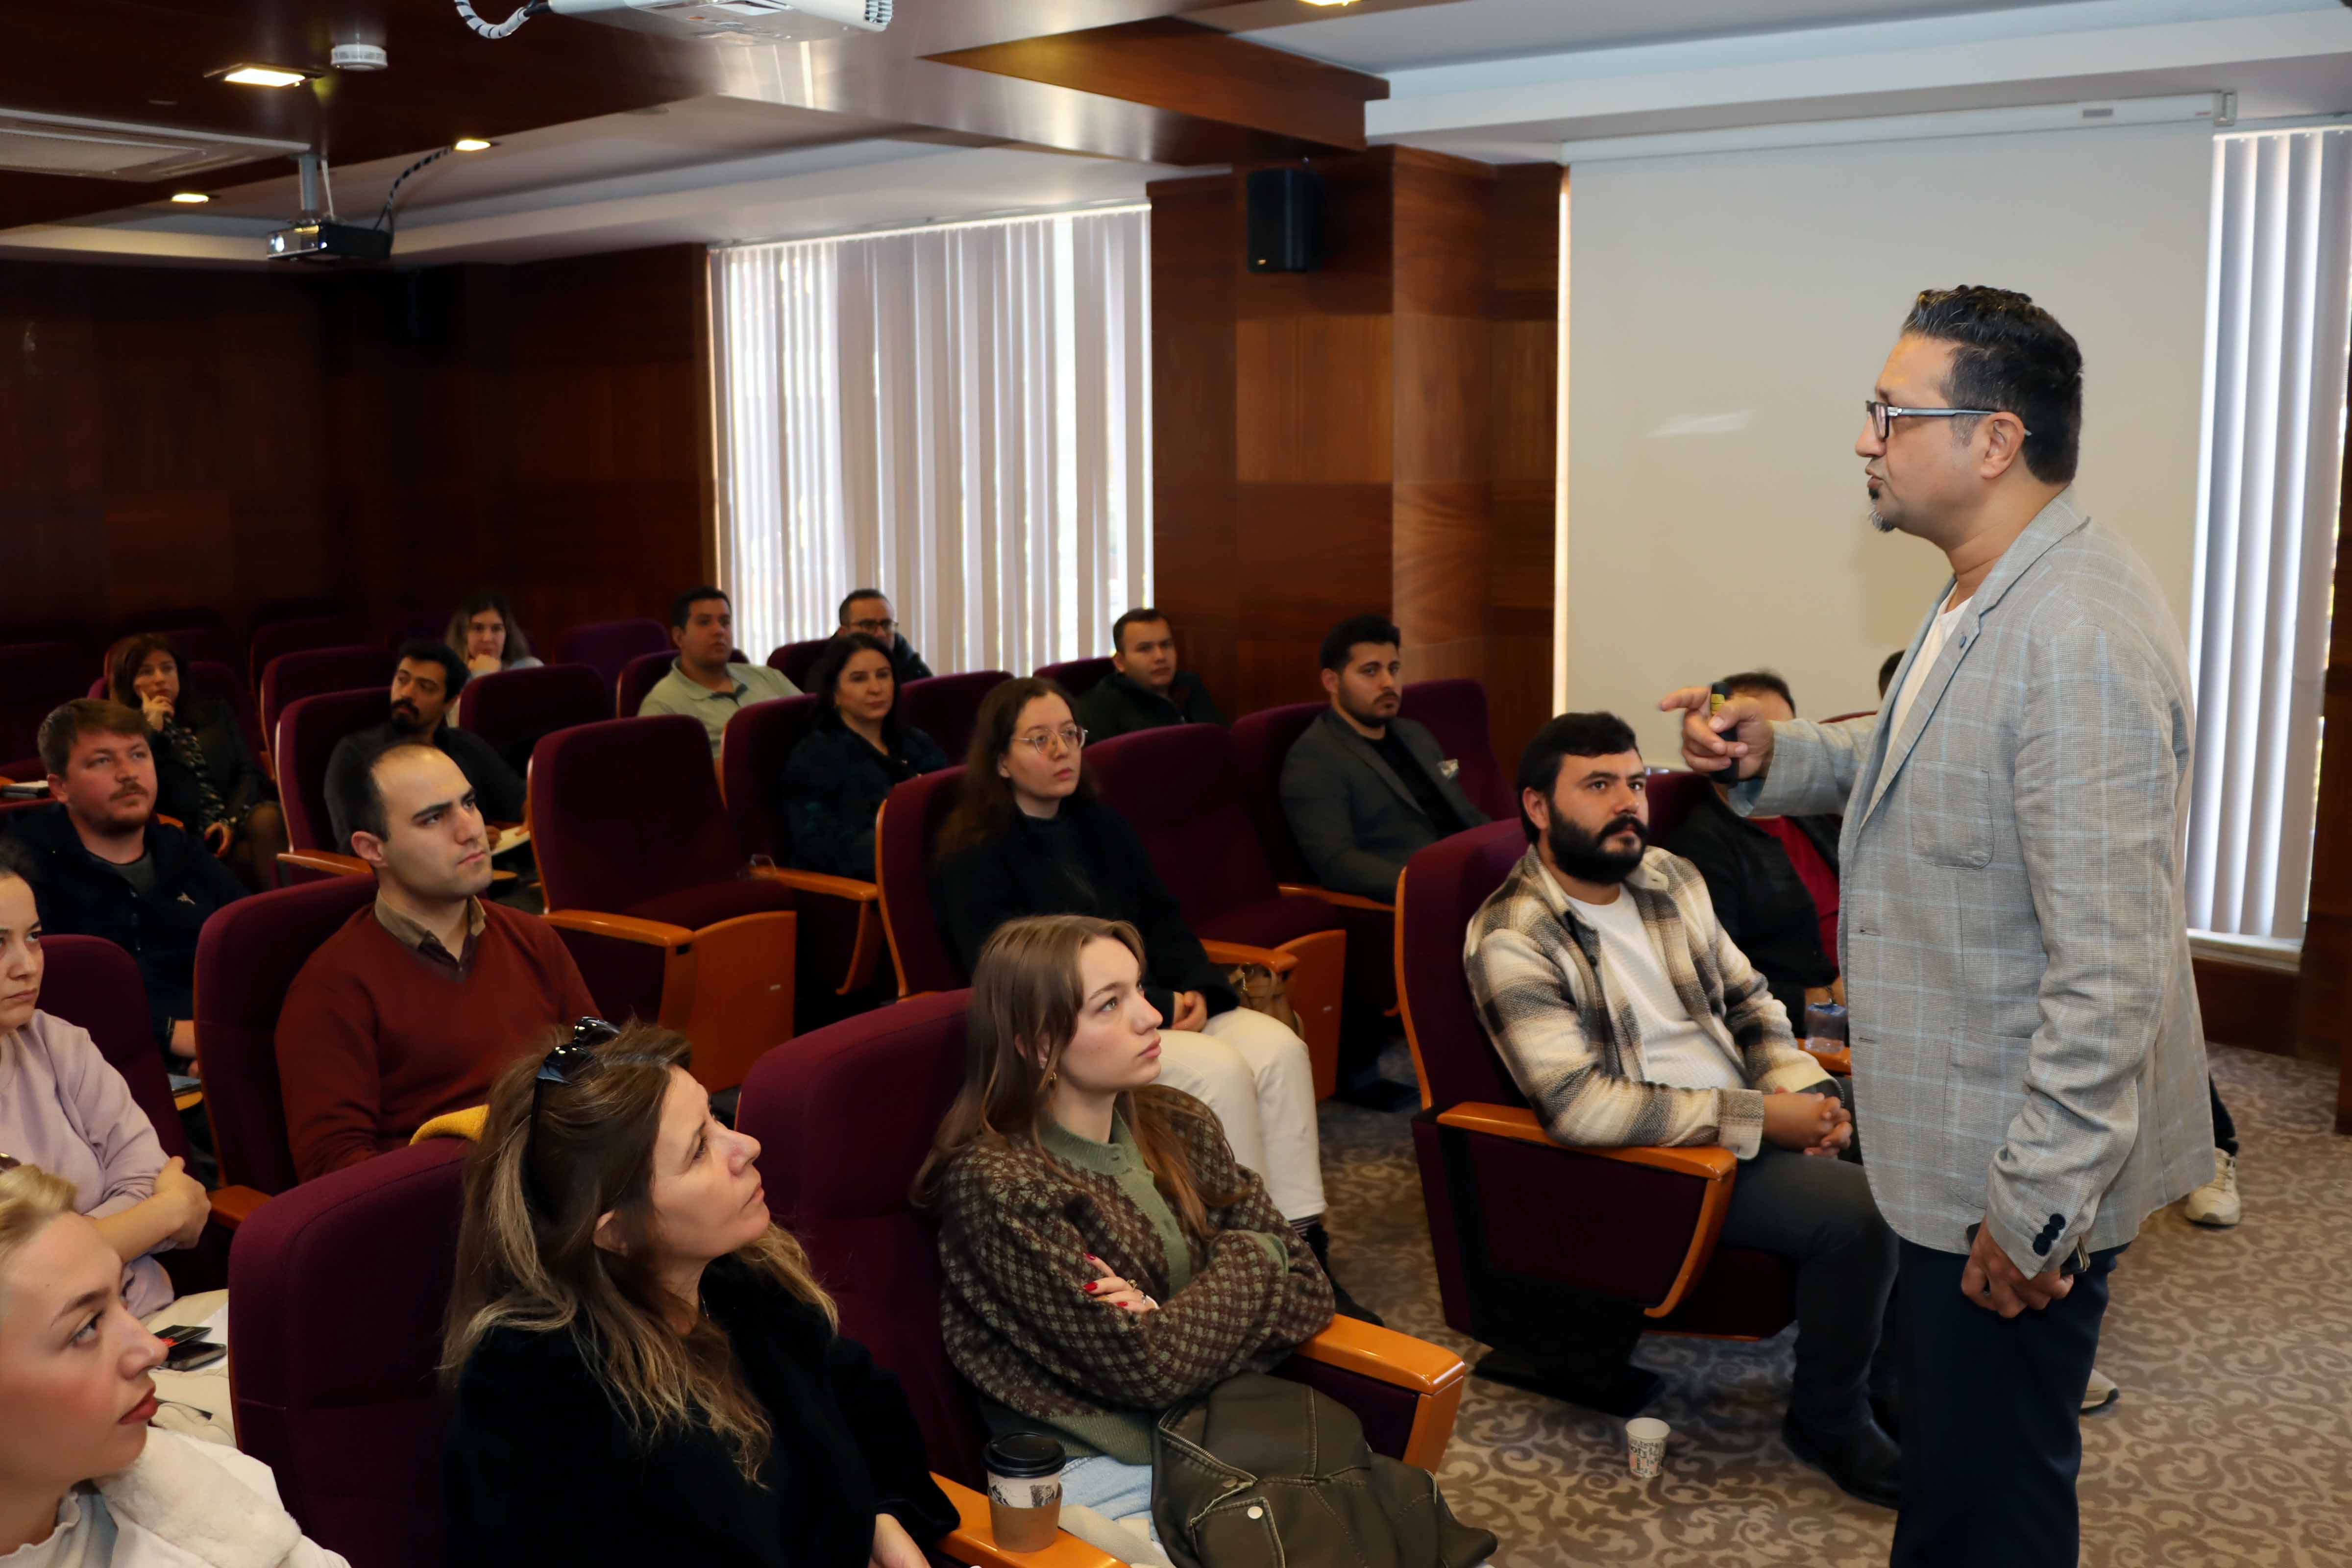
(2027, 1047)
(868, 610)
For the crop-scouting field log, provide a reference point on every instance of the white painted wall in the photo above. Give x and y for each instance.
(1729, 312)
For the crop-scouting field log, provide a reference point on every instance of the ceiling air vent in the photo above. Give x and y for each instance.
(116, 150)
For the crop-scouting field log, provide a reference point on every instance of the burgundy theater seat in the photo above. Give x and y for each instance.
(606, 645)
(90, 982)
(1455, 713)
(640, 865)
(904, 832)
(1077, 676)
(311, 672)
(305, 740)
(339, 1289)
(278, 638)
(247, 955)
(754, 748)
(35, 677)
(1262, 741)
(511, 708)
(1515, 1219)
(841, 927)
(944, 706)
(414, 625)
(639, 676)
(1673, 797)
(839, 1182)
(1180, 786)
(797, 660)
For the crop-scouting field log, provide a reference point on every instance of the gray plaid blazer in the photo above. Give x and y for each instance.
(2027, 1047)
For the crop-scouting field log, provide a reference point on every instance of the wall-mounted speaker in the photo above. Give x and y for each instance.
(1285, 220)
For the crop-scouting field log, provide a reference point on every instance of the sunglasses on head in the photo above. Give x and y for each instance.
(561, 1065)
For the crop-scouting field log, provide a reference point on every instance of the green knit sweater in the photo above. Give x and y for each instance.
(1017, 1220)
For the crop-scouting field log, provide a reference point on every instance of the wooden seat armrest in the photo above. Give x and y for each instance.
(1839, 1062)
(832, 887)
(325, 860)
(973, 1541)
(623, 928)
(1229, 954)
(1714, 1166)
(1433, 1374)
(232, 1207)
(1345, 900)
(1519, 1122)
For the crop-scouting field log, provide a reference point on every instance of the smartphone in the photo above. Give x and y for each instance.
(1718, 695)
(189, 1354)
(179, 1332)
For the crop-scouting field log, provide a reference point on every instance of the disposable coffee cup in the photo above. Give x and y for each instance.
(1024, 1490)
(1645, 1447)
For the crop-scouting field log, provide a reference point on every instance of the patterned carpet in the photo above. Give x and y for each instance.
(2232, 1443)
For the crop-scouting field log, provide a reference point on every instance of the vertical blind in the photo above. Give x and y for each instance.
(2279, 279)
(960, 415)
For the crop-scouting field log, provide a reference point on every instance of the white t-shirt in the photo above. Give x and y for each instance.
(1917, 675)
(1676, 1051)
(84, 1537)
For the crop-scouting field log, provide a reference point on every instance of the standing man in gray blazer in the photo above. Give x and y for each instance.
(2026, 1042)
(1362, 788)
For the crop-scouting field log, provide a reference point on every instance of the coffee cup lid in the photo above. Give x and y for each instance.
(1021, 1454)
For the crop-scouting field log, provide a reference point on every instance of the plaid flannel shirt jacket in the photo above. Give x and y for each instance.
(1575, 1052)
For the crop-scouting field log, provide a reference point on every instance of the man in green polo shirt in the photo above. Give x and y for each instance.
(701, 683)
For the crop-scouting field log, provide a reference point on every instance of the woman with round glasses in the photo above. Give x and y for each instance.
(1028, 837)
(645, 1370)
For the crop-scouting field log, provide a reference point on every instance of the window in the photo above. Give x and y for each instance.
(959, 415)
(2279, 277)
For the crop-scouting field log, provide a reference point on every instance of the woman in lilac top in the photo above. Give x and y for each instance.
(65, 1108)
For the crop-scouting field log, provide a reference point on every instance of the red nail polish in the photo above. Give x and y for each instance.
(1090, 1286)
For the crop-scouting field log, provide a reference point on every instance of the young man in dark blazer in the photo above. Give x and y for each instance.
(1362, 788)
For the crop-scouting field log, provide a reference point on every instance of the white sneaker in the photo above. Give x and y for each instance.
(2216, 1203)
(2100, 1392)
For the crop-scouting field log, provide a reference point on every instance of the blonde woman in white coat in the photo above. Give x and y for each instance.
(83, 1481)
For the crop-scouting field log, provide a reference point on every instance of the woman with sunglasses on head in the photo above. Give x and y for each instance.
(1105, 1255)
(1028, 837)
(205, 777)
(858, 748)
(645, 1370)
(84, 1482)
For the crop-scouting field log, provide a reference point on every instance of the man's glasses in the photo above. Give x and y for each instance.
(561, 1065)
(1883, 415)
(1069, 737)
(874, 628)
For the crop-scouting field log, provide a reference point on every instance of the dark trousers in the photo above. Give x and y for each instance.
(1818, 1215)
(1992, 1439)
(2225, 1130)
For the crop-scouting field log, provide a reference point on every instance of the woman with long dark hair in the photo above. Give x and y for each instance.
(205, 775)
(486, 637)
(645, 1369)
(858, 748)
(1028, 837)
(1105, 1253)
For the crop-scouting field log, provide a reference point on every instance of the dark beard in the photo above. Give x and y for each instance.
(1579, 854)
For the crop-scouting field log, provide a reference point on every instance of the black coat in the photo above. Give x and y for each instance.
(833, 784)
(78, 896)
(1758, 896)
(906, 664)
(237, 778)
(1019, 873)
(539, 1467)
(1118, 706)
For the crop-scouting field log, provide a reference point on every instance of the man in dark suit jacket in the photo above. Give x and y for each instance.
(1145, 690)
(1364, 789)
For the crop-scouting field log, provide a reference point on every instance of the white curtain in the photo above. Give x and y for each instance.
(2280, 274)
(960, 415)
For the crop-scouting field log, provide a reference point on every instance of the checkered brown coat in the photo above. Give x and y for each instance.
(1016, 1224)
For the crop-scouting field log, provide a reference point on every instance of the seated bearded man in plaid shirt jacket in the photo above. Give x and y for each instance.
(1626, 1016)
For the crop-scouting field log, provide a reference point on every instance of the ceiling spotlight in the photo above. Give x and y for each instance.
(190, 198)
(472, 145)
(263, 76)
(1331, 2)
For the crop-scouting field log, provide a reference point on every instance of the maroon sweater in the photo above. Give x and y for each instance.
(377, 1039)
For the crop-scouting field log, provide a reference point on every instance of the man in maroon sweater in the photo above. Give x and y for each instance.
(413, 1007)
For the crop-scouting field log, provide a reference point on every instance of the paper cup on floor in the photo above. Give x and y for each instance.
(1645, 1446)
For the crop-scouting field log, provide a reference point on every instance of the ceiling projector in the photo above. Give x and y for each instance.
(738, 21)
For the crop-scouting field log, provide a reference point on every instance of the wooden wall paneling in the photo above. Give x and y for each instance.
(1195, 236)
(1523, 306)
(2325, 1000)
(2247, 1005)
